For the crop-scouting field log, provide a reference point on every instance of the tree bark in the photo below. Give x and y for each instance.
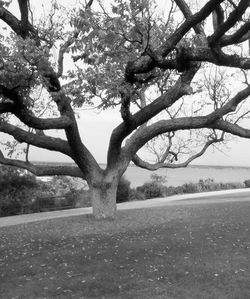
(103, 198)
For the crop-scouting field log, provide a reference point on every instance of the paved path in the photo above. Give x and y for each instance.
(204, 197)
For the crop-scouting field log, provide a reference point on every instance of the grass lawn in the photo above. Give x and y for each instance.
(178, 251)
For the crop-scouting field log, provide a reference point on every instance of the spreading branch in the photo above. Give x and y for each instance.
(146, 63)
(10, 20)
(233, 18)
(19, 109)
(181, 88)
(24, 9)
(65, 46)
(217, 57)
(239, 36)
(140, 138)
(184, 7)
(218, 17)
(155, 166)
(38, 140)
(21, 27)
(63, 49)
(231, 128)
(42, 170)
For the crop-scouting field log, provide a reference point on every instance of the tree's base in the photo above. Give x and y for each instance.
(104, 203)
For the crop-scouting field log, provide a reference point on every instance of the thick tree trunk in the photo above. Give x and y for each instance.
(103, 197)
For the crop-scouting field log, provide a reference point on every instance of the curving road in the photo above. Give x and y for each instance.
(197, 198)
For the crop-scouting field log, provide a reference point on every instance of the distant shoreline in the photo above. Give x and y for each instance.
(178, 176)
(132, 165)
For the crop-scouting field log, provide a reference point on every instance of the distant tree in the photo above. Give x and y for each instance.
(153, 188)
(157, 178)
(125, 54)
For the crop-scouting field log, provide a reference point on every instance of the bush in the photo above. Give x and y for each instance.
(190, 188)
(247, 183)
(123, 190)
(22, 193)
(136, 195)
(227, 186)
(152, 190)
(17, 189)
(59, 185)
(73, 197)
(174, 190)
(10, 208)
(43, 204)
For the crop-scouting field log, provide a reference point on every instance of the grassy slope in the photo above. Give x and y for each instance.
(191, 251)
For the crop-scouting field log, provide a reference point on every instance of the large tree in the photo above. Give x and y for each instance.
(146, 58)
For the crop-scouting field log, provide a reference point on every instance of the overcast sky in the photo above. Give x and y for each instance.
(96, 128)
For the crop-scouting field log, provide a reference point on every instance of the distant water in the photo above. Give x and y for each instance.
(192, 173)
(176, 177)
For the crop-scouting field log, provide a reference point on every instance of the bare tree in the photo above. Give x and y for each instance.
(129, 56)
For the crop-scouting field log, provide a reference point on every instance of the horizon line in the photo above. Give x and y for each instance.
(133, 165)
